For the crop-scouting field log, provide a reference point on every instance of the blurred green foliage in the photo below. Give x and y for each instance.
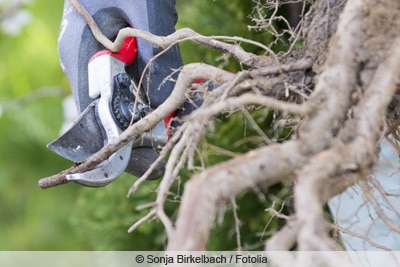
(240, 133)
(71, 217)
(218, 18)
(31, 83)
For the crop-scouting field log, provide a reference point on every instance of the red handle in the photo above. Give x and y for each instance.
(126, 54)
(128, 51)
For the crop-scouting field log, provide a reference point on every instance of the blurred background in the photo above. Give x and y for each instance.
(32, 91)
(32, 88)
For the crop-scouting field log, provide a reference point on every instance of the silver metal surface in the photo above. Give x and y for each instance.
(106, 172)
(96, 127)
(82, 139)
(102, 70)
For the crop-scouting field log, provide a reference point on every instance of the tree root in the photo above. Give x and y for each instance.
(337, 137)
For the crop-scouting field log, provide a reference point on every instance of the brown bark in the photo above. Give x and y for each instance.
(350, 62)
(357, 70)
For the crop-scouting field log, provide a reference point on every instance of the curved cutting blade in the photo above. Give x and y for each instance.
(83, 139)
(103, 68)
(106, 172)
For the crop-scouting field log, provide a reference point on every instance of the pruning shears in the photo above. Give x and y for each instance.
(116, 105)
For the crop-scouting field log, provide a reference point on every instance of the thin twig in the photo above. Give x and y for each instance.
(178, 36)
(165, 150)
(146, 218)
(237, 223)
(382, 215)
(189, 74)
(354, 234)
